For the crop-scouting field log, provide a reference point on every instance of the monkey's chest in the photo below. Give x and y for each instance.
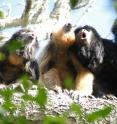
(11, 68)
(62, 67)
(10, 73)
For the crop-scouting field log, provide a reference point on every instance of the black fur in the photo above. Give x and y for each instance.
(100, 57)
(34, 69)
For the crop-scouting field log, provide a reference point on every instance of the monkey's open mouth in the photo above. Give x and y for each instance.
(82, 35)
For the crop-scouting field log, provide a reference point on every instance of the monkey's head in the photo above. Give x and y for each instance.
(88, 47)
(64, 36)
(86, 35)
(28, 40)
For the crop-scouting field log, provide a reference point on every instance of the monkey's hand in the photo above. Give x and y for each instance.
(32, 68)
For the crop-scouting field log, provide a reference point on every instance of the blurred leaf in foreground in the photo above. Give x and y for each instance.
(74, 3)
(53, 120)
(1, 37)
(14, 45)
(41, 97)
(76, 108)
(2, 56)
(69, 83)
(7, 94)
(99, 114)
(25, 82)
(2, 14)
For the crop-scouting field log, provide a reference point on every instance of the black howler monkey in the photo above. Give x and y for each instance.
(99, 56)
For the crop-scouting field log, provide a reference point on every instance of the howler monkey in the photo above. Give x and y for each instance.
(53, 67)
(56, 64)
(16, 52)
(99, 56)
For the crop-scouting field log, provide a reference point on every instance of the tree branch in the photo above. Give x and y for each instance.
(25, 15)
(61, 10)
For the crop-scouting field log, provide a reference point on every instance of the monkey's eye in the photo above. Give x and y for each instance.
(69, 25)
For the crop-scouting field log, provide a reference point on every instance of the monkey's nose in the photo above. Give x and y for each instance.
(68, 26)
(31, 37)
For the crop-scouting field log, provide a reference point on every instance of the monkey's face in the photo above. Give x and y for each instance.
(26, 36)
(63, 37)
(85, 35)
(29, 43)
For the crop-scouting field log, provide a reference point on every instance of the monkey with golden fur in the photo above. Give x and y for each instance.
(53, 67)
(57, 65)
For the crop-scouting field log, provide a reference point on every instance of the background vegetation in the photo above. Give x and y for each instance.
(8, 107)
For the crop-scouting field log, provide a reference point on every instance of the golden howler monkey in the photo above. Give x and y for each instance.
(57, 64)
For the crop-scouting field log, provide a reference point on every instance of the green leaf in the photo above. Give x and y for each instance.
(99, 114)
(21, 120)
(53, 120)
(2, 15)
(8, 105)
(1, 37)
(25, 82)
(2, 56)
(115, 4)
(7, 94)
(41, 97)
(76, 108)
(69, 83)
(74, 3)
(28, 97)
(14, 45)
(2, 111)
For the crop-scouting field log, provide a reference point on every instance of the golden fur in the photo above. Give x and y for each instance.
(54, 68)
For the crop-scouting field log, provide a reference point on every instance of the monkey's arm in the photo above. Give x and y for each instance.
(96, 58)
(32, 68)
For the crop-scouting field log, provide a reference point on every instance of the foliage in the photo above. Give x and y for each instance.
(14, 45)
(68, 82)
(2, 14)
(54, 120)
(41, 99)
(115, 4)
(102, 113)
(114, 28)
(74, 3)
(8, 107)
(2, 56)
(1, 37)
